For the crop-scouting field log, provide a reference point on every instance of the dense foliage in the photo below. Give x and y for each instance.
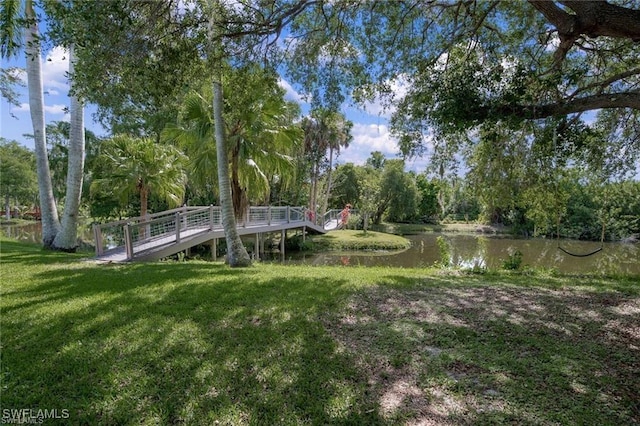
(576, 206)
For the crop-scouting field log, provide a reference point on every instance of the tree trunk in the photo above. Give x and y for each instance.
(7, 207)
(144, 200)
(50, 222)
(313, 203)
(325, 203)
(67, 238)
(237, 255)
(238, 194)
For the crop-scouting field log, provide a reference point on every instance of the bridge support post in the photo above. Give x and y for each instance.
(256, 247)
(177, 225)
(214, 249)
(97, 236)
(128, 242)
(283, 237)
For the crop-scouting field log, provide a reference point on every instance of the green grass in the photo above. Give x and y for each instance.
(200, 343)
(348, 239)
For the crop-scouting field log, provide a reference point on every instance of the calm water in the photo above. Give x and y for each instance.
(490, 252)
(32, 232)
(467, 251)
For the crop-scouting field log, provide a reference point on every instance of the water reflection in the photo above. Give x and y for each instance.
(480, 251)
(29, 232)
(32, 232)
(467, 251)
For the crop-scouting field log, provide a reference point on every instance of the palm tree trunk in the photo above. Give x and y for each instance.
(238, 194)
(237, 255)
(66, 239)
(50, 222)
(313, 204)
(144, 201)
(325, 203)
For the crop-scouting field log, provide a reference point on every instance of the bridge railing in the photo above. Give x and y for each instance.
(111, 236)
(268, 215)
(333, 216)
(140, 236)
(142, 233)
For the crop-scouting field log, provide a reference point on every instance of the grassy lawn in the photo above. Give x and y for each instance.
(199, 343)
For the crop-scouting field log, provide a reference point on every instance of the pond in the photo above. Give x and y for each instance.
(469, 250)
(31, 232)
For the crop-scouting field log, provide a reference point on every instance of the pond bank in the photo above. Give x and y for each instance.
(458, 227)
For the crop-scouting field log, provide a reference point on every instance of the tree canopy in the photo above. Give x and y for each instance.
(462, 64)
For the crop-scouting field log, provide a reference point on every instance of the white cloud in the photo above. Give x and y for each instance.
(291, 94)
(366, 139)
(377, 137)
(383, 106)
(55, 109)
(54, 69)
(24, 107)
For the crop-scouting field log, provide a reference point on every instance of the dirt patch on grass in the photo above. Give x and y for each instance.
(492, 354)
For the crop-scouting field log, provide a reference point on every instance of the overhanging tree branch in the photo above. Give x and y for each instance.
(587, 103)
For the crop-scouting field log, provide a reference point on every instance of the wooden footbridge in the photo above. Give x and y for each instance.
(169, 232)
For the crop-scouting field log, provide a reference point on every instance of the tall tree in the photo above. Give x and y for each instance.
(338, 136)
(237, 255)
(18, 181)
(326, 130)
(469, 62)
(261, 135)
(67, 238)
(54, 235)
(49, 212)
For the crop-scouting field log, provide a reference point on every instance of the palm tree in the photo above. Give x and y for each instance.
(10, 44)
(66, 239)
(324, 130)
(53, 235)
(339, 136)
(258, 130)
(237, 255)
(141, 167)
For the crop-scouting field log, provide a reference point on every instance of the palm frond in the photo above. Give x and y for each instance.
(10, 28)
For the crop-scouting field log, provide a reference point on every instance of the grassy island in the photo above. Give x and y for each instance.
(359, 240)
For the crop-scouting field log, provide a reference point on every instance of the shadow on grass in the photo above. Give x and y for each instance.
(467, 354)
(173, 343)
(195, 343)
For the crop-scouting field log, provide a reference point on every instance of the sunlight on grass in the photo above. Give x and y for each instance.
(200, 343)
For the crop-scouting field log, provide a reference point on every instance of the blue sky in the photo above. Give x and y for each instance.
(370, 129)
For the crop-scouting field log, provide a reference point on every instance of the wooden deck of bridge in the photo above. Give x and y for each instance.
(166, 233)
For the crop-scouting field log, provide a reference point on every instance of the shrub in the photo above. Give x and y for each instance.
(513, 262)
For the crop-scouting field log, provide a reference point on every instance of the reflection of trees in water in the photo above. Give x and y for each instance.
(618, 258)
(32, 232)
(482, 251)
